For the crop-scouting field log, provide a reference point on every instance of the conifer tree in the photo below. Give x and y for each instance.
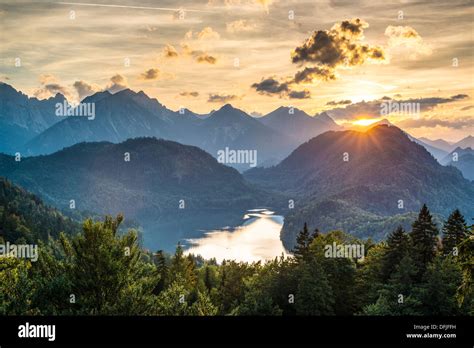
(207, 279)
(454, 231)
(303, 242)
(424, 240)
(105, 266)
(398, 244)
(162, 269)
(183, 267)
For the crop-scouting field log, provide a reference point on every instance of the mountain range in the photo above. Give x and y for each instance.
(127, 114)
(22, 118)
(140, 177)
(140, 158)
(462, 159)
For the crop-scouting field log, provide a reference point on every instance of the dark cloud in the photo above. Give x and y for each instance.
(271, 86)
(221, 98)
(459, 96)
(150, 74)
(340, 46)
(326, 50)
(372, 109)
(304, 94)
(339, 102)
(314, 73)
(189, 94)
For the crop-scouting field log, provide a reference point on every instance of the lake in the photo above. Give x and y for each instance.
(256, 238)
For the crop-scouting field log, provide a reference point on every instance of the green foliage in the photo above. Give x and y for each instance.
(24, 217)
(107, 273)
(398, 246)
(424, 240)
(454, 231)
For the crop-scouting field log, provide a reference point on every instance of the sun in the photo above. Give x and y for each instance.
(365, 122)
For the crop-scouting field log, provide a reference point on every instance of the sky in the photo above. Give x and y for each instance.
(350, 58)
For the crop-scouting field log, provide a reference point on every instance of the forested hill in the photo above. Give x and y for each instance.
(24, 218)
(365, 183)
(142, 177)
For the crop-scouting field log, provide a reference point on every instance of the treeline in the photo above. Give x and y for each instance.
(24, 218)
(103, 272)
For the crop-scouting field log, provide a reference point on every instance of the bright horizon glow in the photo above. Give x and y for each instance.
(365, 122)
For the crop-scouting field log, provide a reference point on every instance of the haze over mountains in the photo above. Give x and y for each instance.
(463, 159)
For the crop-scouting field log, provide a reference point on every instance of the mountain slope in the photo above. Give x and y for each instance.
(118, 117)
(465, 143)
(437, 153)
(22, 118)
(462, 159)
(233, 128)
(127, 114)
(158, 176)
(383, 168)
(297, 124)
(438, 143)
(24, 218)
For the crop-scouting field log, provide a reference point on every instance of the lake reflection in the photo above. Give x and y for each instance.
(256, 239)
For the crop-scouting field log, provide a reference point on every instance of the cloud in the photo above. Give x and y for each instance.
(206, 58)
(50, 86)
(117, 83)
(405, 39)
(189, 94)
(304, 94)
(457, 123)
(170, 52)
(199, 56)
(85, 89)
(403, 32)
(221, 98)
(207, 34)
(150, 74)
(315, 73)
(340, 46)
(372, 109)
(271, 86)
(241, 25)
(326, 51)
(339, 102)
(459, 97)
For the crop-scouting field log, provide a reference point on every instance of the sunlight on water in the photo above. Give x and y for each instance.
(257, 239)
